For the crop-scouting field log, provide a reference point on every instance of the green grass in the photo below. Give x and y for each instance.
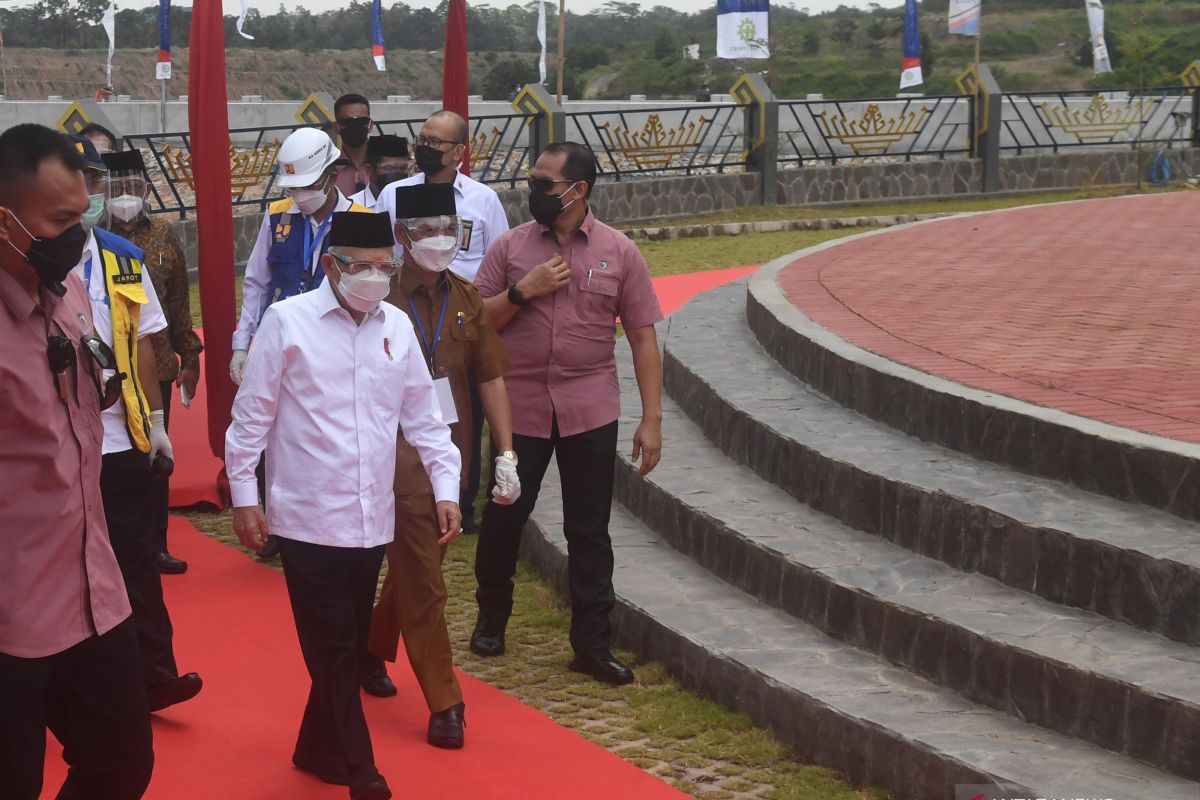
(693, 743)
(679, 256)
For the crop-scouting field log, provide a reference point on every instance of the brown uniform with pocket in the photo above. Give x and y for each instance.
(413, 600)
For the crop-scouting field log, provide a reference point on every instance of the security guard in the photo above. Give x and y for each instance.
(126, 311)
(294, 235)
(459, 346)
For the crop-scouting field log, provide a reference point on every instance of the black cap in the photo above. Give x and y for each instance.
(125, 161)
(358, 229)
(387, 146)
(90, 155)
(425, 200)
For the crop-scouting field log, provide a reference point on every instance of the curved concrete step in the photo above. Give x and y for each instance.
(1066, 669)
(832, 703)
(1113, 461)
(1121, 560)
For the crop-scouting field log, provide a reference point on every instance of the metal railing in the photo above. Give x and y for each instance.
(905, 128)
(1051, 121)
(667, 140)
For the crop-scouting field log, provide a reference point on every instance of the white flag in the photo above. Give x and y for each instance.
(742, 29)
(541, 34)
(109, 21)
(1095, 12)
(242, 20)
(964, 17)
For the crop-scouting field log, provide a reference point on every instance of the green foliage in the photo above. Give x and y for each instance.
(665, 46)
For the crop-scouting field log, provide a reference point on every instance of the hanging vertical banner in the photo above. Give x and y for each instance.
(541, 34)
(964, 17)
(742, 29)
(377, 35)
(454, 71)
(162, 70)
(109, 21)
(242, 21)
(910, 74)
(1100, 61)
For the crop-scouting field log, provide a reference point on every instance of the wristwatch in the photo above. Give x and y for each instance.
(512, 454)
(515, 297)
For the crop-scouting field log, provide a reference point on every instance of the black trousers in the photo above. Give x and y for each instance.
(474, 467)
(92, 698)
(332, 590)
(162, 486)
(586, 462)
(127, 488)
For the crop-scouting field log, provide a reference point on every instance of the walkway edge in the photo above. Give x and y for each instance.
(1096, 456)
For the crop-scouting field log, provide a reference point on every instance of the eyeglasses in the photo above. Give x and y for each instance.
(104, 358)
(434, 142)
(388, 266)
(320, 186)
(544, 185)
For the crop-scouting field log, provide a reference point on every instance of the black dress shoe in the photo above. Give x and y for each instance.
(446, 727)
(170, 565)
(176, 690)
(488, 638)
(336, 777)
(602, 666)
(369, 785)
(376, 682)
(270, 549)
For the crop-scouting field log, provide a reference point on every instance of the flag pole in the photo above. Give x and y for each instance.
(3, 61)
(562, 24)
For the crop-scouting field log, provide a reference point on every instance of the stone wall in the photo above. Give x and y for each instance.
(841, 183)
(1070, 170)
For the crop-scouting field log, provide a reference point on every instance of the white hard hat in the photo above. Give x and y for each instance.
(304, 156)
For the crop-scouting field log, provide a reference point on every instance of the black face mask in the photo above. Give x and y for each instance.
(54, 258)
(545, 208)
(429, 159)
(384, 177)
(355, 135)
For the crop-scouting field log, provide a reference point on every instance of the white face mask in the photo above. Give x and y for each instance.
(435, 252)
(309, 201)
(125, 208)
(364, 292)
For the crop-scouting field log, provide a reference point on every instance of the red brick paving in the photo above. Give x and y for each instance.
(1090, 307)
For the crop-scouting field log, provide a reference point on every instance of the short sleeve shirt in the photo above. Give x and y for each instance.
(562, 345)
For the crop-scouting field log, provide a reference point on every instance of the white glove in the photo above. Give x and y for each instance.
(159, 443)
(508, 486)
(236, 365)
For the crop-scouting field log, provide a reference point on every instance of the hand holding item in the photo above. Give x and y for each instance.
(546, 278)
(508, 486)
(186, 381)
(250, 525)
(160, 445)
(236, 365)
(449, 521)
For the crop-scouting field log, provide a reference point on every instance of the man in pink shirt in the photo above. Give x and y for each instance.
(352, 126)
(554, 288)
(68, 651)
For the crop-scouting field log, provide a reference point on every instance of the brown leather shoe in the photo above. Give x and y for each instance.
(446, 727)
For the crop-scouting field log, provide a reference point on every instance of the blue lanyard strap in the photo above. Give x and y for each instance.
(87, 278)
(311, 244)
(430, 349)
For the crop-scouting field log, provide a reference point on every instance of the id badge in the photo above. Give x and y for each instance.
(445, 398)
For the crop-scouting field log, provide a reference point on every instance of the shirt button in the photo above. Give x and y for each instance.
(441, 369)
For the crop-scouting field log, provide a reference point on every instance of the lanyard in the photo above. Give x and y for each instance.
(430, 349)
(87, 278)
(311, 244)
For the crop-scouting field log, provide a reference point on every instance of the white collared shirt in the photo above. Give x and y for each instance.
(326, 399)
(150, 320)
(479, 210)
(256, 284)
(366, 199)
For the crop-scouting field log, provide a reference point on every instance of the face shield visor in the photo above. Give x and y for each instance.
(127, 196)
(433, 242)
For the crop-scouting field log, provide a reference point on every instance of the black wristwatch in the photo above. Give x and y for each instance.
(515, 297)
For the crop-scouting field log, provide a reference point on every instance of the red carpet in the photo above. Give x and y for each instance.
(233, 625)
(675, 290)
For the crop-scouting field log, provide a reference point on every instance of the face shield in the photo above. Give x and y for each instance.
(127, 196)
(433, 242)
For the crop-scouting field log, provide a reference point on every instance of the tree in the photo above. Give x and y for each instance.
(504, 75)
(665, 46)
(928, 56)
(877, 30)
(844, 30)
(810, 45)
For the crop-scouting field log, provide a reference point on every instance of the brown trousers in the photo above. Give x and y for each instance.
(413, 603)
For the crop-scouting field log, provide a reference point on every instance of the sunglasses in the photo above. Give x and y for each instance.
(354, 122)
(544, 185)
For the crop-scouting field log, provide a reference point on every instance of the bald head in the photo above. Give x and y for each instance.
(453, 127)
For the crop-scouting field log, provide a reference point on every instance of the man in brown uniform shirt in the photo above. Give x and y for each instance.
(459, 344)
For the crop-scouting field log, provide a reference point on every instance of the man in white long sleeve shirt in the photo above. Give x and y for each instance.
(333, 375)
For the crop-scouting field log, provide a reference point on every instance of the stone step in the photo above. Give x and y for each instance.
(1070, 670)
(832, 703)
(1096, 456)
(1121, 560)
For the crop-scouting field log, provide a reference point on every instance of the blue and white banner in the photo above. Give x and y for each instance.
(742, 29)
(1100, 60)
(377, 36)
(910, 74)
(964, 17)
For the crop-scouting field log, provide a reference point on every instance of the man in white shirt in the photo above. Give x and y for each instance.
(387, 162)
(334, 374)
(438, 152)
(125, 311)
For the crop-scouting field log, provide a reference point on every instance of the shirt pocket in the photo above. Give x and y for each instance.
(597, 299)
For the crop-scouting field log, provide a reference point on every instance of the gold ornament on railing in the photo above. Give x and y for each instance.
(247, 168)
(874, 133)
(483, 145)
(654, 146)
(1100, 120)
